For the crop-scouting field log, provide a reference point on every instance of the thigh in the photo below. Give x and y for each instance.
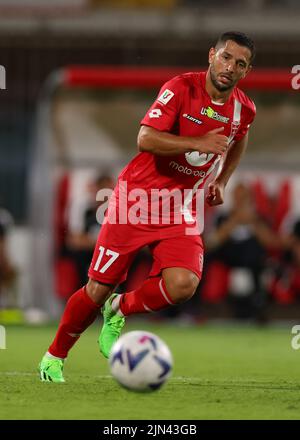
(184, 251)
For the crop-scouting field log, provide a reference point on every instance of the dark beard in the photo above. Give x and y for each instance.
(218, 86)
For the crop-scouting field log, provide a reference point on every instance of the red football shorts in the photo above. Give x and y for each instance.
(118, 244)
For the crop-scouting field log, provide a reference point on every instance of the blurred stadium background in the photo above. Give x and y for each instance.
(80, 75)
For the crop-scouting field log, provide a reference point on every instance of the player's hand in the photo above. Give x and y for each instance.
(215, 193)
(213, 142)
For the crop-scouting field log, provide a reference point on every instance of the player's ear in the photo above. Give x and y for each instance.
(211, 54)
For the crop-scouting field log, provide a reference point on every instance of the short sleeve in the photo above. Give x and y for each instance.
(164, 112)
(246, 124)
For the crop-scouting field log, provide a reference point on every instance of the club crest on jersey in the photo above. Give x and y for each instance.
(213, 114)
(198, 159)
(165, 97)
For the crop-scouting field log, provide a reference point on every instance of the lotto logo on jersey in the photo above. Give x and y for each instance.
(155, 113)
(165, 97)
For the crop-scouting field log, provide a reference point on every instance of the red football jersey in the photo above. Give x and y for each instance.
(183, 107)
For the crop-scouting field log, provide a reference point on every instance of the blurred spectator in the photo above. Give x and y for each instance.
(8, 273)
(285, 283)
(80, 244)
(236, 258)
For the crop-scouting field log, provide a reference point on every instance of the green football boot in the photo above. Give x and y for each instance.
(112, 326)
(51, 370)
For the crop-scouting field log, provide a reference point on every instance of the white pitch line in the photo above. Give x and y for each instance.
(16, 373)
(24, 373)
(104, 376)
(180, 379)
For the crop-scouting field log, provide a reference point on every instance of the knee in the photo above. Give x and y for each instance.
(98, 292)
(182, 286)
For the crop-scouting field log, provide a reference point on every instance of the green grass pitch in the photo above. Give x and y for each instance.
(230, 372)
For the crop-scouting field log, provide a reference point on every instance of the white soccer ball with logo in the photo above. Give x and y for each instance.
(140, 361)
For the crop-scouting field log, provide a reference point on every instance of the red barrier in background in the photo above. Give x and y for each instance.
(151, 77)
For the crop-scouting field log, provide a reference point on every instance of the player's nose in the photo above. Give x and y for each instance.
(230, 67)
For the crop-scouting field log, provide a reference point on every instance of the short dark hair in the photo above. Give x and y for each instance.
(239, 38)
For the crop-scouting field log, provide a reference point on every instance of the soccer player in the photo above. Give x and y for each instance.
(198, 120)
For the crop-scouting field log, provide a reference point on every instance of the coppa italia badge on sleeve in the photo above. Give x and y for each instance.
(165, 97)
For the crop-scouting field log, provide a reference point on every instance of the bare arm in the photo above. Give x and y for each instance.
(232, 159)
(215, 195)
(166, 144)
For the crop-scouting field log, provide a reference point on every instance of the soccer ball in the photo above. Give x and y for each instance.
(140, 361)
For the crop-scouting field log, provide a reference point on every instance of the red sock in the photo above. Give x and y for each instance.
(151, 296)
(79, 314)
